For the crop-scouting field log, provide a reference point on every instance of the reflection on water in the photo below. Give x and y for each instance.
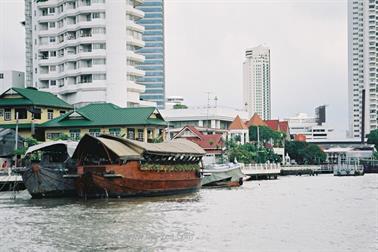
(322, 213)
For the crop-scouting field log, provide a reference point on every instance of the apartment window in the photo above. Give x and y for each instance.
(99, 46)
(52, 53)
(131, 134)
(22, 113)
(35, 70)
(50, 114)
(98, 30)
(52, 68)
(52, 40)
(94, 132)
(1, 112)
(52, 24)
(99, 77)
(53, 83)
(140, 135)
(75, 134)
(98, 61)
(51, 10)
(95, 15)
(1, 76)
(53, 135)
(62, 112)
(7, 115)
(115, 131)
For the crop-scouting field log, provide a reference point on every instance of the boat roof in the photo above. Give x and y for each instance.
(121, 150)
(176, 146)
(70, 145)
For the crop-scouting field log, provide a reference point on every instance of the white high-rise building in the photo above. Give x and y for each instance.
(85, 50)
(256, 82)
(362, 64)
(11, 78)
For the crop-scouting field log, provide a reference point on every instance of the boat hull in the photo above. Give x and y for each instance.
(129, 180)
(228, 177)
(47, 182)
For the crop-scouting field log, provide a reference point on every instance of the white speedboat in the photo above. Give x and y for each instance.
(222, 175)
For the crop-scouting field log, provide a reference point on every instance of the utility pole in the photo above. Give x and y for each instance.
(16, 139)
(207, 110)
(258, 136)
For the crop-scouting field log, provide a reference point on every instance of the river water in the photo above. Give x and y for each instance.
(321, 213)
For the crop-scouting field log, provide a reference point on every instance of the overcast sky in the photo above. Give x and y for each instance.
(205, 43)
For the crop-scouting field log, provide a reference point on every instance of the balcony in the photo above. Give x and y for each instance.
(135, 42)
(134, 87)
(134, 12)
(134, 71)
(135, 57)
(134, 26)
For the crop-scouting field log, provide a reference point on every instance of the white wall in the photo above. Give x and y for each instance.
(11, 79)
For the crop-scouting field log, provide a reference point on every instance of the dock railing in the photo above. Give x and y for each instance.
(268, 169)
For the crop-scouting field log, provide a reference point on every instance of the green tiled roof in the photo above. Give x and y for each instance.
(34, 97)
(106, 114)
(20, 126)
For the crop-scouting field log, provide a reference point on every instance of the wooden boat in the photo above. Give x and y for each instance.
(222, 175)
(46, 166)
(110, 166)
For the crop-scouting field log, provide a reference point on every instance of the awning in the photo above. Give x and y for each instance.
(70, 146)
(119, 148)
(176, 146)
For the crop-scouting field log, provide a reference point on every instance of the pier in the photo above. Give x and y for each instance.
(11, 183)
(300, 170)
(261, 171)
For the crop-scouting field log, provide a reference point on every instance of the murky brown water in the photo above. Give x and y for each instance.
(322, 213)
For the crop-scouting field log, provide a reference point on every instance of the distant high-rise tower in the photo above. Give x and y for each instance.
(362, 64)
(256, 82)
(85, 50)
(153, 51)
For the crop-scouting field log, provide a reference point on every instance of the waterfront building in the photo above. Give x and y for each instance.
(238, 131)
(306, 126)
(256, 82)
(11, 78)
(142, 123)
(362, 65)
(206, 119)
(276, 125)
(85, 50)
(171, 101)
(33, 108)
(213, 144)
(153, 51)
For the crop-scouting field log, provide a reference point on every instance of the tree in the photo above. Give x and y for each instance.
(266, 134)
(305, 153)
(28, 142)
(373, 138)
(250, 153)
(180, 106)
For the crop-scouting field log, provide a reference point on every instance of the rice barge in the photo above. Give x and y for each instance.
(46, 166)
(109, 166)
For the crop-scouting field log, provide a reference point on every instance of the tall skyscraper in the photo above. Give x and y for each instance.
(154, 66)
(362, 64)
(85, 50)
(256, 82)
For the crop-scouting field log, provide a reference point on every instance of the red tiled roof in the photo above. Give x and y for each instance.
(237, 124)
(300, 138)
(255, 121)
(207, 142)
(273, 124)
(284, 126)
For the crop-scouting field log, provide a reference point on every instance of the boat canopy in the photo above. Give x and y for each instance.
(70, 146)
(106, 148)
(174, 147)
